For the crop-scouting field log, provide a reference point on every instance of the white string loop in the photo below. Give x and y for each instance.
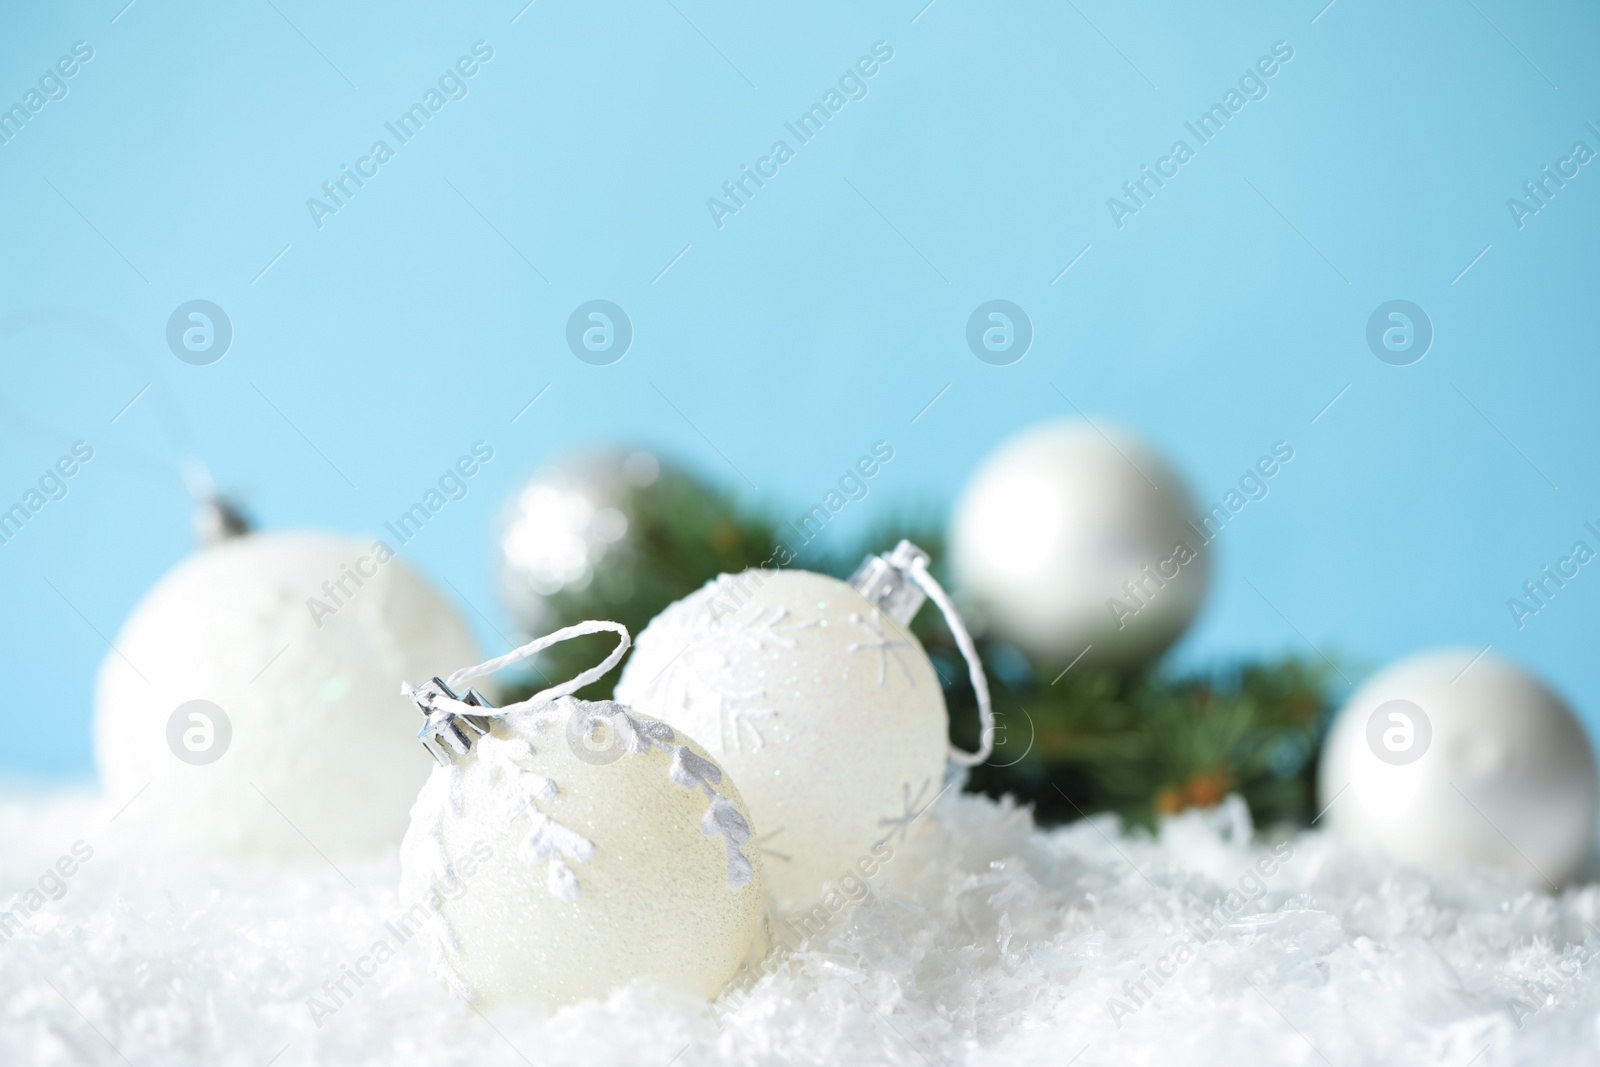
(980, 683)
(443, 704)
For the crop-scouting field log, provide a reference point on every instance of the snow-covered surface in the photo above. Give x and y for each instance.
(983, 941)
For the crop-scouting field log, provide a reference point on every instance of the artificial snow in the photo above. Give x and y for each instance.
(983, 941)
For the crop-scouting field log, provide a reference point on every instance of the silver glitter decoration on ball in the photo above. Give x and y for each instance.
(571, 525)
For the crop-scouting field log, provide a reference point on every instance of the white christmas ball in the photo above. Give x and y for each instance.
(1073, 537)
(296, 643)
(826, 712)
(1443, 762)
(568, 854)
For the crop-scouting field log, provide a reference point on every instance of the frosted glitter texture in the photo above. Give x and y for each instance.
(322, 743)
(570, 853)
(825, 711)
(1053, 526)
(1507, 778)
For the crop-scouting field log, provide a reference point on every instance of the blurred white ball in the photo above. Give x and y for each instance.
(1069, 536)
(827, 713)
(301, 640)
(556, 861)
(1442, 765)
(576, 524)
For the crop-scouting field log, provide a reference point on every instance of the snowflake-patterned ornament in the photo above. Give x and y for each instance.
(815, 696)
(563, 848)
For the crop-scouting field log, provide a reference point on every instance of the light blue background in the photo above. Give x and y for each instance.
(808, 326)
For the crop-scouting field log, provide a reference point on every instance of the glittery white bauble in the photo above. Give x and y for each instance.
(1071, 536)
(1442, 761)
(826, 712)
(313, 747)
(575, 849)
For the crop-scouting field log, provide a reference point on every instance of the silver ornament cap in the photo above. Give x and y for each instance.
(446, 734)
(886, 582)
(218, 519)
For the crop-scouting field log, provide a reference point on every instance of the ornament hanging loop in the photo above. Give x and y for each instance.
(898, 584)
(453, 723)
